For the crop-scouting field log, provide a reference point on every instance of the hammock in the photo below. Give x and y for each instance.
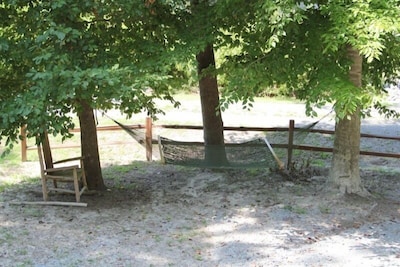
(256, 153)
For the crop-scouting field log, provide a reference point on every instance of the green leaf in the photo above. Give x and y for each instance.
(60, 35)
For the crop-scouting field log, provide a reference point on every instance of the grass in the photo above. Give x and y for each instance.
(116, 170)
(16, 181)
(157, 238)
(295, 209)
(6, 236)
(115, 174)
(34, 212)
(25, 263)
(14, 173)
(4, 185)
(383, 170)
(325, 209)
(320, 162)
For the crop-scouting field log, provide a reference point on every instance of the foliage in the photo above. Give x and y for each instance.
(125, 54)
(56, 54)
(303, 45)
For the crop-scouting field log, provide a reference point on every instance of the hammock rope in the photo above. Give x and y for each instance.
(302, 132)
(139, 136)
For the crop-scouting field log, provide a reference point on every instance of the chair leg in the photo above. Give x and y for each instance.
(76, 186)
(45, 189)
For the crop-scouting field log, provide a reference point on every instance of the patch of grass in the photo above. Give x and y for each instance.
(168, 218)
(298, 190)
(319, 162)
(198, 255)
(25, 263)
(34, 212)
(118, 169)
(17, 182)
(13, 159)
(22, 252)
(295, 209)
(185, 236)
(297, 153)
(212, 186)
(325, 155)
(384, 170)
(157, 238)
(377, 194)
(324, 209)
(6, 236)
(255, 172)
(117, 175)
(5, 185)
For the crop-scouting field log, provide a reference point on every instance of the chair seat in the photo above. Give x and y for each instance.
(64, 175)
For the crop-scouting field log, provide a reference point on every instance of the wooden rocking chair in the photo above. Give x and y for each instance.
(74, 174)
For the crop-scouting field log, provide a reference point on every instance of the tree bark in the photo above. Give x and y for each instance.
(345, 170)
(89, 147)
(213, 129)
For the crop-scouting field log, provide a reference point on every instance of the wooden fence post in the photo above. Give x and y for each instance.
(149, 139)
(290, 144)
(24, 146)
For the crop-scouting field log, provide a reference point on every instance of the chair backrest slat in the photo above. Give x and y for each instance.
(48, 158)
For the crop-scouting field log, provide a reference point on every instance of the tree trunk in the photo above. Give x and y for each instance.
(345, 170)
(213, 129)
(89, 147)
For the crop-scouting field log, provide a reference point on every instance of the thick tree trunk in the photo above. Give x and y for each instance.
(89, 146)
(345, 170)
(212, 119)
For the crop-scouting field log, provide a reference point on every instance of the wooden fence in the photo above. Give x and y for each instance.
(289, 146)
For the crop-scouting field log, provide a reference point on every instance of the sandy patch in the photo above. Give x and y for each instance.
(171, 216)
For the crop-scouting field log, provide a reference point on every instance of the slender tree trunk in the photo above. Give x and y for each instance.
(212, 119)
(345, 170)
(89, 146)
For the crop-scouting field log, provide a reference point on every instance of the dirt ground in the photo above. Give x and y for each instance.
(157, 215)
(164, 215)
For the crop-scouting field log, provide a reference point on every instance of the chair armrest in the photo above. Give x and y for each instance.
(66, 168)
(67, 160)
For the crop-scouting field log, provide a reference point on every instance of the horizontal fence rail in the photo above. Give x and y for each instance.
(289, 146)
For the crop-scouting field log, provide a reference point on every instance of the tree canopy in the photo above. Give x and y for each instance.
(55, 54)
(65, 56)
(303, 44)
